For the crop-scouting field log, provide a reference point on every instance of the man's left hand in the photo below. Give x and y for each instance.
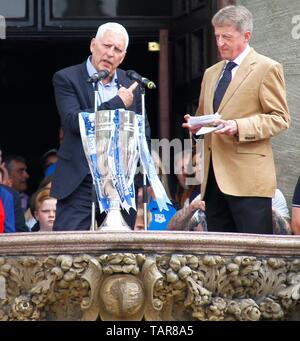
(230, 127)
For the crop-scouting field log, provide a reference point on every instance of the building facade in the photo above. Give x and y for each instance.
(38, 37)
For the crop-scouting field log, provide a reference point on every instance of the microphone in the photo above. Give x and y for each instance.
(98, 76)
(141, 80)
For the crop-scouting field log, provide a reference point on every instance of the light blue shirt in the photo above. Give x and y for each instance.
(106, 91)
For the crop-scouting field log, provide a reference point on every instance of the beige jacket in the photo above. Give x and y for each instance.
(256, 100)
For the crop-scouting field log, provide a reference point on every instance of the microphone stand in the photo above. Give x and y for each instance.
(95, 84)
(145, 199)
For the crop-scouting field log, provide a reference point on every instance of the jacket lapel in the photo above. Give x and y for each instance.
(87, 87)
(244, 70)
(122, 79)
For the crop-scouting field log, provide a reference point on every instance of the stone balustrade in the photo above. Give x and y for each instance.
(149, 275)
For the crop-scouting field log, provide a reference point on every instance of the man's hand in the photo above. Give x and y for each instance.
(197, 204)
(193, 129)
(126, 95)
(230, 127)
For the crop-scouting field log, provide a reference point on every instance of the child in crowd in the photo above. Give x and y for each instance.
(45, 209)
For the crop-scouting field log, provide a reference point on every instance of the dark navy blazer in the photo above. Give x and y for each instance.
(73, 94)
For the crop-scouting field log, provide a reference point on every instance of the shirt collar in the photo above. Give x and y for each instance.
(238, 60)
(92, 70)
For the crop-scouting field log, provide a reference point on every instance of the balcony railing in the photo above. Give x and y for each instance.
(150, 276)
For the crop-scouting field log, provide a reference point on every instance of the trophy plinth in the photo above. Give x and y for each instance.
(114, 220)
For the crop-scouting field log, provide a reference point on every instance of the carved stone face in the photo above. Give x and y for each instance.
(122, 297)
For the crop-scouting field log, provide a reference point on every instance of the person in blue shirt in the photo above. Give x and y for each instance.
(2, 217)
(49, 162)
(8, 205)
(157, 220)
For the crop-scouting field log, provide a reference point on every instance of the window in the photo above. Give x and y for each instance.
(17, 14)
(13, 9)
(109, 8)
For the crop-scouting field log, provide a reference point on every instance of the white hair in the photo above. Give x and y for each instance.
(238, 16)
(115, 27)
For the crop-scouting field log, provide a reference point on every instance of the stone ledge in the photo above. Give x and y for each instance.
(150, 241)
(149, 275)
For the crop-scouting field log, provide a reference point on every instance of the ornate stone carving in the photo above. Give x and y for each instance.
(121, 298)
(151, 286)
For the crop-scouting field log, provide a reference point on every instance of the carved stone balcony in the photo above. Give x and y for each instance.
(149, 275)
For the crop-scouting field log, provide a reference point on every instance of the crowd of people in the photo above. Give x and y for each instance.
(187, 214)
(235, 188)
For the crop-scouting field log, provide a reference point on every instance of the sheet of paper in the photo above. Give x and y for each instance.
(203, 120)
(207, 130)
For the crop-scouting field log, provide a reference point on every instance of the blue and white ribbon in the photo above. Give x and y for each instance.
(87, 131)
(161, 196)
(125, 189)
(122, 181)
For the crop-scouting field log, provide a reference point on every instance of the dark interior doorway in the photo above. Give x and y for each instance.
(29, 119)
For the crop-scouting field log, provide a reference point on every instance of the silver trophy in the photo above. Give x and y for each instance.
(127, 144)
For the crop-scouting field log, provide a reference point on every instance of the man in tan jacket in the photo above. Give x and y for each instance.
(248, 90)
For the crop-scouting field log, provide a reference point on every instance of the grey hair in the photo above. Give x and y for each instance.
(115, 27)
(238, 16)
